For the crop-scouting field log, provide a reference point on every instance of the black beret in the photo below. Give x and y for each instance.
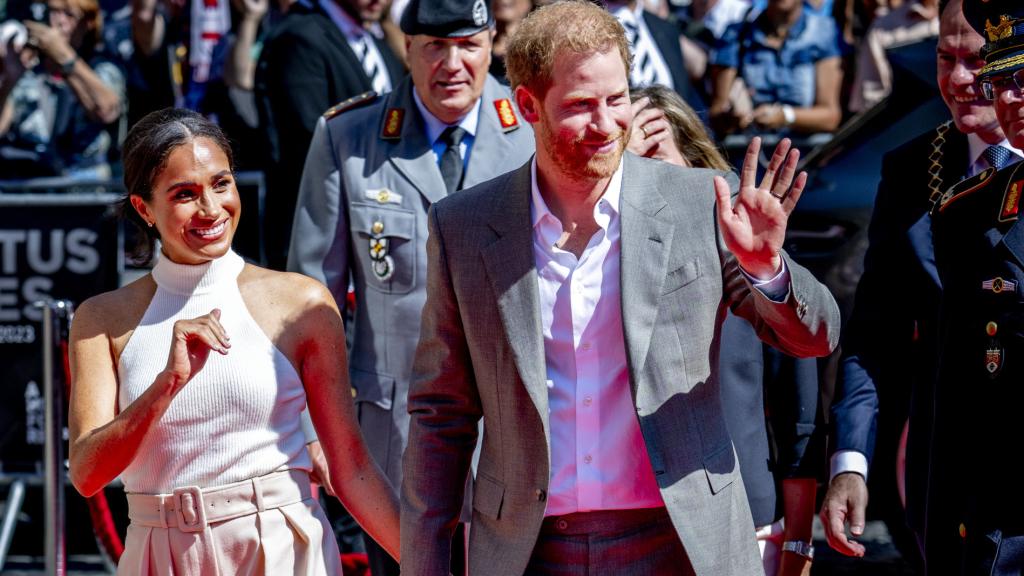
(446, 18)
(1001, 24)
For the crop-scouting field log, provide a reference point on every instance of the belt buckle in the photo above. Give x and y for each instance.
(190, 498)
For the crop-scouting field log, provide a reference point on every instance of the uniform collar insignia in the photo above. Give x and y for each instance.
(506, 114)
(1011, 202)
(392, 128)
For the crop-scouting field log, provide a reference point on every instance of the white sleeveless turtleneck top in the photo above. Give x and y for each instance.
(239, 416)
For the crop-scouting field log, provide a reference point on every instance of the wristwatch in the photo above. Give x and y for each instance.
(788, 114)
(68, 67)
(805, 549)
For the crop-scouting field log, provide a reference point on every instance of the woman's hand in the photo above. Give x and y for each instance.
(191, 345)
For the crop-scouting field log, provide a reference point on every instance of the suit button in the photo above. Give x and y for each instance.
(541, 495)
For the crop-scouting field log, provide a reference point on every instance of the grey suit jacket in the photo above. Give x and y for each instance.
(341, 210)
(481, 355)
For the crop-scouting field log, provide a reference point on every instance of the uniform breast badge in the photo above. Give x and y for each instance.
(380, 261)
(997, 285)
(994, 351)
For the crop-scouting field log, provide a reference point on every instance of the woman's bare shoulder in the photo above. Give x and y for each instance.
(288, 290)
(116, 312)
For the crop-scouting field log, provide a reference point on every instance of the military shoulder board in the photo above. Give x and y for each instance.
(965, 187)
(350, 104)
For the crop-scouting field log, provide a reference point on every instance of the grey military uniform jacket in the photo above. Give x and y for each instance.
(369, 178)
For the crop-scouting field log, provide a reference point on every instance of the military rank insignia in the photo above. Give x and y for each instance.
(350, 104)
(996, 32)
(506, 114)
(392, 128)
(1011, 202)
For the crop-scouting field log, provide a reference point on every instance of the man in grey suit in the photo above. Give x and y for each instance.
(376, 164)
(574, 305)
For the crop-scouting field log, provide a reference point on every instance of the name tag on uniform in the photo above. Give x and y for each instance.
(384, 196)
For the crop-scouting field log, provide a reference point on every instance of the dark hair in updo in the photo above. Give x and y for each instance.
(146, 148)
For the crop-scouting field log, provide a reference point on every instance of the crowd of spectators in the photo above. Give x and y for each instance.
(74, 74)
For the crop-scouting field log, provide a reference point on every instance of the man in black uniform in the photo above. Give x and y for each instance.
(976, 515)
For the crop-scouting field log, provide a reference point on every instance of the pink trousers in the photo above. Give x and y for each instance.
(269, 525)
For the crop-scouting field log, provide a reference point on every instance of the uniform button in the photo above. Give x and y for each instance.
(378, 227)
(963, 530)
(991, 328)
(562, 524)
(588, 459)
(541, 495)
(588, 401)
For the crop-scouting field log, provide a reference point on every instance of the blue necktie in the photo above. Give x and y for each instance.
(999, 157)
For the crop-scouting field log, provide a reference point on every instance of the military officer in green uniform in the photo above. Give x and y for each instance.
(375, 166)
(976, 509)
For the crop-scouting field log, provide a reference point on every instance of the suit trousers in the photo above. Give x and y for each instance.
(635, 542)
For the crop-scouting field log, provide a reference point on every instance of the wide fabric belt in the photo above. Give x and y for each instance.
(191, 509)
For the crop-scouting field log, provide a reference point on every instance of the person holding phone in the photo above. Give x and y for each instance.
(59, 96)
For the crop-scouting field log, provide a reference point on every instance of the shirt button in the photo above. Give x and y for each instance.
(588, 401)
(588, 459)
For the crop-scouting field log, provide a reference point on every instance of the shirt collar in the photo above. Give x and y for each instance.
(610, 200)
(976, 147)
(794, 32)
(435, 126)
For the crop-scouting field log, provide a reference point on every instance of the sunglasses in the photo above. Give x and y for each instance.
(990, 86)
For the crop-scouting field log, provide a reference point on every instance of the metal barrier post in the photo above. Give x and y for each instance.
(54, 311)
(15, 497)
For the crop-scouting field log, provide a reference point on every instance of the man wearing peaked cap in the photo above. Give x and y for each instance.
(375, 165)
(976, 514)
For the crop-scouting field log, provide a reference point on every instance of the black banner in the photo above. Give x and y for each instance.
(53, 246)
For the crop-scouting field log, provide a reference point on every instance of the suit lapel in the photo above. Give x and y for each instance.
(411, 154)
(646, 244)
(513, 274)
(335, 40)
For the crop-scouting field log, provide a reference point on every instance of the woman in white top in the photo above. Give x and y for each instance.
(189, 382)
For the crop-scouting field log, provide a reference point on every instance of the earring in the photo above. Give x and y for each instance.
(148, 223)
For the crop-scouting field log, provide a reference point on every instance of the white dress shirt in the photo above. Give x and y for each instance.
(598, 456)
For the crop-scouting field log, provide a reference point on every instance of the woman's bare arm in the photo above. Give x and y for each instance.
(357, 479)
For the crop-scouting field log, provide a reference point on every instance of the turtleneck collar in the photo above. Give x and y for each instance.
(187, 279)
